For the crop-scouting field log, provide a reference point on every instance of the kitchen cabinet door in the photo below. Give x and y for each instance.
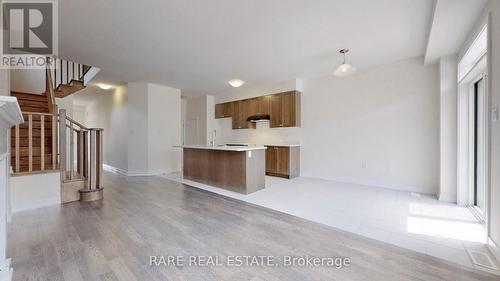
(264, 104)
(253, 106)
(240, 115)
(283, 161)
(224, 110)
(271, 160)
(276, 112)
(289, 109)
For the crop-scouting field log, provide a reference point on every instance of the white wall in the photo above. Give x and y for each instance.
(5, 82)
(137, 122)
(30, 81)
(66, 103)
(492, 9)
(196, 120)
(35, 191)
(379, 127)
(109, 111)
(164, 129)
(448, 128)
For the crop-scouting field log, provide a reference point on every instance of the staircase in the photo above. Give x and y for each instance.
(68, 77)
(40, 144)
(50, 141)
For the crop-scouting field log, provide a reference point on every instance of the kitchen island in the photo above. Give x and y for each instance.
(240, 169)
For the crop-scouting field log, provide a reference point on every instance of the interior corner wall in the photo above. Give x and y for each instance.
(448, 129)
(164, 129)
(31, 81)
(137, 120)
(379, 127)
(109, 112)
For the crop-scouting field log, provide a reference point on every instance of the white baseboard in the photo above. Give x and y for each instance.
(494, 249)
(123, 172)
(448, 199)
(373, 184)
(114, 170)
(37, 204)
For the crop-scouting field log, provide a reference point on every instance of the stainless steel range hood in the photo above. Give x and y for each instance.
(259, 118)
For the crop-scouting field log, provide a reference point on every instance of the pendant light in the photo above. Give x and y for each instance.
(344, 69)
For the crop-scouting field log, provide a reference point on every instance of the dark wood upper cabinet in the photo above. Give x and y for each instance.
(253, 106)
(240, 115)
(275, 112)
(283, 108)
(264, 105)
(224, 110)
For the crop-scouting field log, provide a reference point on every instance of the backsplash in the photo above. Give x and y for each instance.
(261, 135)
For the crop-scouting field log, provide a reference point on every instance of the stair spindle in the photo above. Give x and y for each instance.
(30, 142)
(62, 142)
(71, 151)
(42, 142)
(17, 150)
(54, 141)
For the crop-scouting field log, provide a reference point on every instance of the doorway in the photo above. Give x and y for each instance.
(478, 146)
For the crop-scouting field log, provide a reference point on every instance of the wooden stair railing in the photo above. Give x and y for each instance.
(67, 77)
(32, 135)
(81, 156)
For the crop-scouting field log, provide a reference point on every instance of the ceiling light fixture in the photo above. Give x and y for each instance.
(236, 83)
(344, 69)
(104, 86)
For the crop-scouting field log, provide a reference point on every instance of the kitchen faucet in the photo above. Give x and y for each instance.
(214, 135)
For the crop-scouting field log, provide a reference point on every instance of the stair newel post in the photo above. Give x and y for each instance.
(71, 151)
(62, 142)
(93, 169)
(99, 158)
(54, 139)
(86, 156)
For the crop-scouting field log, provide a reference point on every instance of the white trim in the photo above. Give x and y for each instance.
(37, 204)
(449, 199)
(10, 112)
(494, 249)
(6, 271)
(377, 184)
(112, 169)
(123, 172)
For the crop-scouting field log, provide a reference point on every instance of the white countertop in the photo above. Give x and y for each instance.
(283, 144)
(226, 148)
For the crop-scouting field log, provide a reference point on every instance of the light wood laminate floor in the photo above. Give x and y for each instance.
(140, 217)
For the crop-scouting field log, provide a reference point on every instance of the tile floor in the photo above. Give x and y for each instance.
(413, 221)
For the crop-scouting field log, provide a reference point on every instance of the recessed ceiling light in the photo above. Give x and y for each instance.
(236, 83)
(104, 86)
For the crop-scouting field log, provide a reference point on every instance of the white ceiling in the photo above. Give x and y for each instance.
(198, 45)
(452, 22)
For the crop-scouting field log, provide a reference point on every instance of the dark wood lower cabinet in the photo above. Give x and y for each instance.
(283, 161)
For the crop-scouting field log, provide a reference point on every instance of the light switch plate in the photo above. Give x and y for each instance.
(249, 154)
(495, 114)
